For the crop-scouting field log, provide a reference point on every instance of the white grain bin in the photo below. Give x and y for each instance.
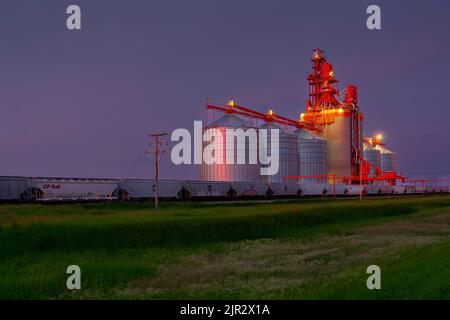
(373, 155)
(288, 154)
(232, 172)
(388, 159)
(312, 156)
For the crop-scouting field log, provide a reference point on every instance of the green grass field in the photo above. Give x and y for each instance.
(299, 249)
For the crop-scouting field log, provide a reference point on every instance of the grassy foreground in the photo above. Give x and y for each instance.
(285, 250)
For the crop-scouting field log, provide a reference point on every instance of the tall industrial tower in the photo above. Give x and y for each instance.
(340, 120)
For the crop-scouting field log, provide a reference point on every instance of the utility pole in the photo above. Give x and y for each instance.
(360, 180)
(156, 146)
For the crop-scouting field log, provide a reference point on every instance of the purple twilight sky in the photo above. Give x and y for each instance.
(80, 103)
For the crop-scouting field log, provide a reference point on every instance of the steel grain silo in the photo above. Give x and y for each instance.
(339, 146)
(388, 159)
(373, 155)
(288, 154)
(312, 156)
(232, 172)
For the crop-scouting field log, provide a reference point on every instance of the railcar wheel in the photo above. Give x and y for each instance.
(123, 194)
(184, 194)
(36, 193)
(231, 193)
(269, 193)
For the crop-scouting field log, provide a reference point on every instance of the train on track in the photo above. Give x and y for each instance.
(48, 189)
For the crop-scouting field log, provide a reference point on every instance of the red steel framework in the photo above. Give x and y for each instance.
(323, 105)
(270, 116)
(322, 93)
